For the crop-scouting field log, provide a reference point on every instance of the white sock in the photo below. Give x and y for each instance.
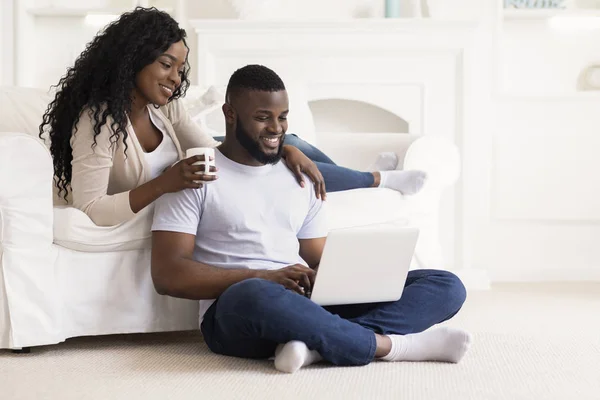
(386, 161)
(406, 182)
(440, 344)
(292, 356)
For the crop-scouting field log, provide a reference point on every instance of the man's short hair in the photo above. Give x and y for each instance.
(253, 77)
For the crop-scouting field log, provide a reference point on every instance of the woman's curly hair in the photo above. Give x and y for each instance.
(103, 78)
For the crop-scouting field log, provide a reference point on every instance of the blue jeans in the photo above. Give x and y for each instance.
(336, 178)
(253, 316)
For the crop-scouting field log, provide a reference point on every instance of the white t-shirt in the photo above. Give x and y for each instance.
(164, 155)
(250, 217)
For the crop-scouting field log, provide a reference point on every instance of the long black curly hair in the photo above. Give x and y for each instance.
(103, 78)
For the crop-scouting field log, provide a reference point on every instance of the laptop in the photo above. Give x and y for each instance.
(366, 264)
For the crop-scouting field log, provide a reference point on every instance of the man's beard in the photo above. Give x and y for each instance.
(253, 147)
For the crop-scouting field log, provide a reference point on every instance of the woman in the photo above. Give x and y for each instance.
(118, 130)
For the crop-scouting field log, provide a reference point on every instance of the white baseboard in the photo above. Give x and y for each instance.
(474, 279)
(547, 275)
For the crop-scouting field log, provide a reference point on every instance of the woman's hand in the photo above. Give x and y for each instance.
(185, 175)
(298, 163)
(178, 177)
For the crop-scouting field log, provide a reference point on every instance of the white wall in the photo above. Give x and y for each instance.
(540, 60)
(6, 42)
(538, 213)
(210, 9)
(3, 25)
(544, 218)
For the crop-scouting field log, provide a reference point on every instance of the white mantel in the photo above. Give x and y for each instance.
(425, 71)
(316, 25)
(433, 58)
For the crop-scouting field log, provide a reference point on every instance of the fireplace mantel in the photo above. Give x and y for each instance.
(377, 25)
(407, 55)
(427, 72)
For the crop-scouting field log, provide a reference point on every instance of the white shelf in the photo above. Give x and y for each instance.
(80, 12)
(574, 96)
(540, 14)
(72, 12)
(350, 25)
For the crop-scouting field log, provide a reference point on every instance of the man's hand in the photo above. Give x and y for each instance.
(297, 277)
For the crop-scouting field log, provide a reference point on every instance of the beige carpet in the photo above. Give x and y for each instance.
(531, 342)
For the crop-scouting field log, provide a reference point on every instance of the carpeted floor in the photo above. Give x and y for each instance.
(530, 342)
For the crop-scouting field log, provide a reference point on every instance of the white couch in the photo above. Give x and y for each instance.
(61, 276)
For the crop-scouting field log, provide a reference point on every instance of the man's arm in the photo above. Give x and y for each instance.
(175, 273)
(313, 233)
(311, 251)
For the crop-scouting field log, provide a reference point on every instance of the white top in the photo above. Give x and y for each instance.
(164, 155)
(251, 217)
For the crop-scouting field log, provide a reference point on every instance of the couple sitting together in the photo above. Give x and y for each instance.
(245, 244)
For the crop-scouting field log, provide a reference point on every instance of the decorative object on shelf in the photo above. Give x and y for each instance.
(403, 8)
(589, 79)
(535, 3)
(392, 8)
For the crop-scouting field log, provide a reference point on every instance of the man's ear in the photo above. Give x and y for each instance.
(228, 113)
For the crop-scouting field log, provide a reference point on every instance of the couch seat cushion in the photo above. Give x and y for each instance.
(74, 230)
(361, 207)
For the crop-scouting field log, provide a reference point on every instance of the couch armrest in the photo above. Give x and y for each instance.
(28, 291)
(26, 174)
(434, 155)
(358, 150)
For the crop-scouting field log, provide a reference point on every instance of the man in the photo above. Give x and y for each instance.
(252, 240)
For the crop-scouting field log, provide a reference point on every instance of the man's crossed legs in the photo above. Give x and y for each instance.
(255, 317)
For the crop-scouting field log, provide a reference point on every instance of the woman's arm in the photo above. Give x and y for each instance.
(299, 163)
(183, 175)
(92, 165)
(146, 194)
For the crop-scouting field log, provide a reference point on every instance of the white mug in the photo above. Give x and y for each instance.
(209, 158)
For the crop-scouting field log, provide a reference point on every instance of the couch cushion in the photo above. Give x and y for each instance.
(74, 230)
(361, 207)
(21, 109)
(204, 107)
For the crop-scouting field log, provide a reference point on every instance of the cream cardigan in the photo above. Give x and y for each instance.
(103, 175)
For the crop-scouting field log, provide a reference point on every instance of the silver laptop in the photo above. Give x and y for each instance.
(365, 264)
